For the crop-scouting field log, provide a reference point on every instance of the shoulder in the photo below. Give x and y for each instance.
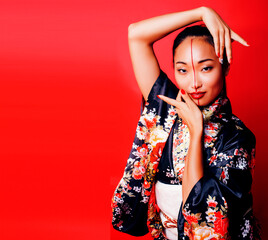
(157, 111)
(162, 86)
(235, 135)
(242, 131)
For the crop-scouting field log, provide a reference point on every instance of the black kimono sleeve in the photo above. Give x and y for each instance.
(219, 206)
(131, 197)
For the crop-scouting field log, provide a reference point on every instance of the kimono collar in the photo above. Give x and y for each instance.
(214, 114)
(219, 108)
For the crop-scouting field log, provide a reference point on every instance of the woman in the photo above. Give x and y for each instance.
(190, 169)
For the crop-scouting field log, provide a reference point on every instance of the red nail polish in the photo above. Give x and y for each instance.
(182, 91)
(230, 61)
(219, 55)
(158, 96)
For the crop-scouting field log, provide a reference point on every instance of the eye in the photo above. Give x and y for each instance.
(181, 70)
(206, 69)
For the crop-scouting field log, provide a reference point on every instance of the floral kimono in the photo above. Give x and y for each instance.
(219, 205)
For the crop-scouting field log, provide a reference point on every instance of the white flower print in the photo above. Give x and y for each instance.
(224, 175)
(210, 211)
(211, 218)
(137, 189)
(246, 228)
(145, 199)
(241, 163)
(141, 132)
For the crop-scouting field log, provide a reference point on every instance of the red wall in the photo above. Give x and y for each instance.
(69, 106)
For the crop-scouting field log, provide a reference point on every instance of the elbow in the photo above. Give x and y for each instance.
(131, 31)
(136, 34)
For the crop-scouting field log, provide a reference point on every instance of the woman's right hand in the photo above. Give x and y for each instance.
(221, 33)
(188, 112)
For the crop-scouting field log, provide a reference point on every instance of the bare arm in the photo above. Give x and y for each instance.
(142, 36)
(193, 169)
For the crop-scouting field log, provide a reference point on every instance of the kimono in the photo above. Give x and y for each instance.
(219, 206)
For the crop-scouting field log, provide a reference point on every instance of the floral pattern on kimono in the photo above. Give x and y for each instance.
(219, 205)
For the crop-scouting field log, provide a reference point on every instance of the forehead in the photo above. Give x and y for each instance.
(197, 46)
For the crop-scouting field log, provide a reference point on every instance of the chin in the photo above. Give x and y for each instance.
(202, 103)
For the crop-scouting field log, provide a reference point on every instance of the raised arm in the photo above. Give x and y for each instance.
(142, 35)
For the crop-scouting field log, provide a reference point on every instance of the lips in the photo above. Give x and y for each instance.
(197, 95)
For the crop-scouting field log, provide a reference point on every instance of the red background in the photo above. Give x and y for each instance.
(69, 106)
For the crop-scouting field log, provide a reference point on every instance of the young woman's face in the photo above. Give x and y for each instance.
(198, 70)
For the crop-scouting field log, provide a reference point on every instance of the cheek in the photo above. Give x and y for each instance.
(182, 81)
(182, 84)
(214, 80)
(214, 87)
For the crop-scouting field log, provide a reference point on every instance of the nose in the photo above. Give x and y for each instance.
(196, 82)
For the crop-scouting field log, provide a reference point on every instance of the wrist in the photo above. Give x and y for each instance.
(200, 12)
(196, 133)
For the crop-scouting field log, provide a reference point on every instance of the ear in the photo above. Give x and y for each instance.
(227, 70)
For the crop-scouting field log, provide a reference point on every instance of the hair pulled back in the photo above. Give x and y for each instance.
(200, 31)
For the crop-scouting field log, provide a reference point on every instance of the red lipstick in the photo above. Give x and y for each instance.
(197, 95)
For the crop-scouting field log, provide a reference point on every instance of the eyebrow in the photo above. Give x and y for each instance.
(201, 61)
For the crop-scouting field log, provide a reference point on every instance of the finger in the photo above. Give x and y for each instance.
(179, 98)
(222, 44)
(179, 105)
(168, 100)
(187, 99)
(180, 113)
(216, 44)
(182, 105)
(239, 39)
(228, 46)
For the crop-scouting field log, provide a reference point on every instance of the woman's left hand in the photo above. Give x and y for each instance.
(187, 110)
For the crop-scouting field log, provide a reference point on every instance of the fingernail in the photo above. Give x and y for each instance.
(219, 55)
(182, 91)
(230, 61)
(221, 60)
(158, 96)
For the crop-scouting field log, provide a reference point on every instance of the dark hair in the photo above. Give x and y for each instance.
(200, 31)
